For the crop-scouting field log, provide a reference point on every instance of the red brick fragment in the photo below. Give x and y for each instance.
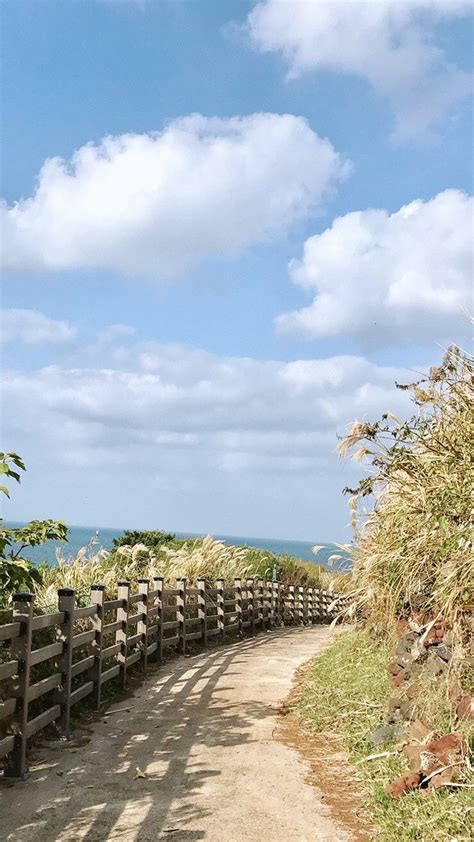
(400, 786)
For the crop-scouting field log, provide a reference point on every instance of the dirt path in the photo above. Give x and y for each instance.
(202, 729)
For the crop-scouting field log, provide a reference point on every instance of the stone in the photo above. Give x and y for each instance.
(406, 710)
(386, 734)
(394, 668)
(397, 680)
(400, 786)
(448, 749)
(435, 666)
(444, 652)
(406, 643)
(464, 708)
(419, 732)
(412, 752)
(404, 661)
(412, 690)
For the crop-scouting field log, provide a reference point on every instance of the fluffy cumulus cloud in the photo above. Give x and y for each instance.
(33, 328)
(389, 43)
(194, 434)
(374, 274)
(154, 203)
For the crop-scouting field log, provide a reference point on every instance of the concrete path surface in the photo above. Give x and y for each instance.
(202, 731)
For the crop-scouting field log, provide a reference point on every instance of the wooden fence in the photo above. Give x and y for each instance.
(50, 662)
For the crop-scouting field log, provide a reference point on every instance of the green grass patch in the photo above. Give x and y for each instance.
(346, 694)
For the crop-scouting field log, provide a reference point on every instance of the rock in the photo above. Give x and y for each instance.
(404, 661)
(394, 668)
(406, 643)
(412, 690)
(419, 732)
(448, 749)
(397, 680)
(412, 752)
(406, 710)
(399, 787)
(444, 652)
(386, 734)
(465, 708)
(435, 666)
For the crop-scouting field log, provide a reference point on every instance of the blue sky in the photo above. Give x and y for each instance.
(211, 407)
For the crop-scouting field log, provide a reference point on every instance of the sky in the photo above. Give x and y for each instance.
(228, 228)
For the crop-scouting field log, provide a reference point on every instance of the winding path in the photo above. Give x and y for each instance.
(202, 730)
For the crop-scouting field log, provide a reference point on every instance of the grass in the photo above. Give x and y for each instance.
(345, 695)
(415, 545)
(193, 559)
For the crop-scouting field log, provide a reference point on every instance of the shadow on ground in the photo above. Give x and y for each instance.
(178, 713)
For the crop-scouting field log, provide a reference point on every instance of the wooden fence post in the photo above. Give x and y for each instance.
(309, 602)
(121, 635)
(142, 625)
(97, 598)
(300, 606)
(65, 633)
(202, 611)
(276, 597)
(16, 766)
(220, 607)
(238, 603)
(181, 612)
(260, 605)
(158, 586)
(251, 604)
(291, 601)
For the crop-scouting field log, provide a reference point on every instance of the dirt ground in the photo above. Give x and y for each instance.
(204, 731)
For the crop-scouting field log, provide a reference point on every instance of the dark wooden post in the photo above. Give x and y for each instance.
(309, 602)
(121, 634)
(250, 604)
(202, 611)
(280, 604)
(181, 612)
(97, 598)
(16, 766)
(260, 605)
(220, 584)
(142, 625)
(291, 604)
(158, 586)
(65, 633)
(238, 603)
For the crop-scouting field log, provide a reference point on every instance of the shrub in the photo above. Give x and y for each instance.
(414, 547)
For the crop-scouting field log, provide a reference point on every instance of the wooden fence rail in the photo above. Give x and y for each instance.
(50, 662)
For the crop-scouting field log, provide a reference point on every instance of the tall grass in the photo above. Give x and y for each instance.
(194, 559)
(414, 547)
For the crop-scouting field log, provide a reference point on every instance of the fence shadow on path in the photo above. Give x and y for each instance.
(179, 712)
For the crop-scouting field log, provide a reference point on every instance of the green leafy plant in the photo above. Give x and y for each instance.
(16, 572)
(150, 538)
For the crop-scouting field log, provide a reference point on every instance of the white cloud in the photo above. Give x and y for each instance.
(180, 437)
(389, 43)
(154, 203)
(33, 328)
(376, 275)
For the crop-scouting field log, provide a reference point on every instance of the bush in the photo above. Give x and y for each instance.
(414, 548)
(150, 538)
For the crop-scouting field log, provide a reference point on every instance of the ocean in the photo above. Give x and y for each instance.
(81, 536)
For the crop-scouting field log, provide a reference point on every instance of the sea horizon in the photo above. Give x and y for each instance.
(102, 537)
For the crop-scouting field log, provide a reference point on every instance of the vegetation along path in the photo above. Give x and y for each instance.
(201, 733)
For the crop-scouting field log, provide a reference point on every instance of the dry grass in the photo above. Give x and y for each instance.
(197, 558)
(414, 548)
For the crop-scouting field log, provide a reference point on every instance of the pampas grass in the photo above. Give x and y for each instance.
(414, 547)
(195, 559)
